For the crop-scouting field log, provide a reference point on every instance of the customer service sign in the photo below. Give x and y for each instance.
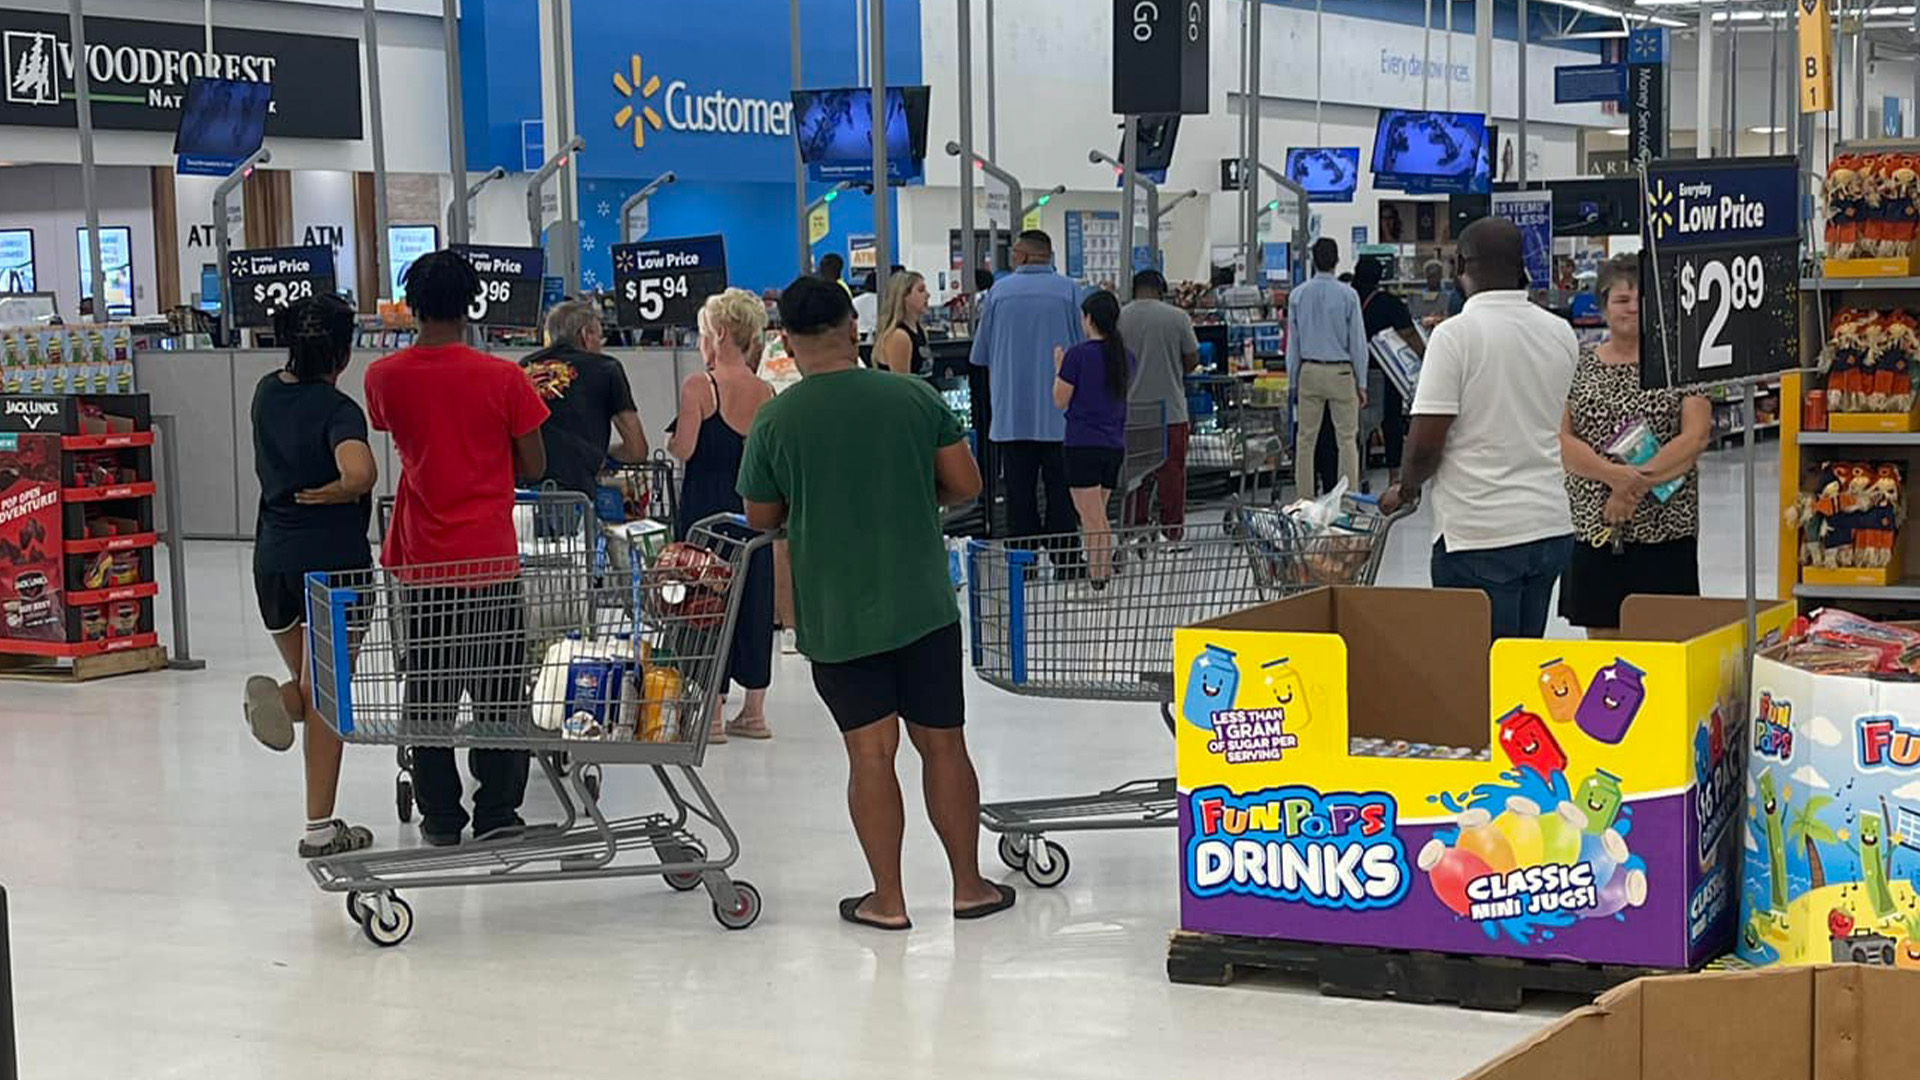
(138, 72)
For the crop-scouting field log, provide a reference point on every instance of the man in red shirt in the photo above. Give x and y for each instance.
(465, 424)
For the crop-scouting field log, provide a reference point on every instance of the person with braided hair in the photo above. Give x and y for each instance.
(316, 474)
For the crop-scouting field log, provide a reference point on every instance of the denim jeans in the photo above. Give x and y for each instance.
(1518, 580)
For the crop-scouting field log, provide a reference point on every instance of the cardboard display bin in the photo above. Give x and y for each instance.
(1595, 824)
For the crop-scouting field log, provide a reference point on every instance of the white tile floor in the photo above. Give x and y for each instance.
(162, 926)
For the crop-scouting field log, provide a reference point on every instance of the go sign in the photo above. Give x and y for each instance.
(664, 282)
(1719, 276)
(511, 284)
(263, 282)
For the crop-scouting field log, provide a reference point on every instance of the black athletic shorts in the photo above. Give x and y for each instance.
(922, 682)
(283, 596)
(1094, 466)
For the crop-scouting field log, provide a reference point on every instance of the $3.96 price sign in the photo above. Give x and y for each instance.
(664, 282)
(1720, 286)
(511, 280)
(266, 281)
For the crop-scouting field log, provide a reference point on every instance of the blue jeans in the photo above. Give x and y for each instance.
(1518, 580)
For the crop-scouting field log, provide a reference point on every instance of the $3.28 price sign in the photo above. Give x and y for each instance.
(265, 281)
(664, 282)
(511, 281)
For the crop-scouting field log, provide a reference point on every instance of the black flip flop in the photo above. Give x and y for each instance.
(850, 912)
(981, 911)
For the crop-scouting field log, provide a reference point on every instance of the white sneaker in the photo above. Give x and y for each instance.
(789, 642)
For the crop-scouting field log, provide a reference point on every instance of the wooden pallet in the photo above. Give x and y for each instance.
(82, 668)
(1476, 982)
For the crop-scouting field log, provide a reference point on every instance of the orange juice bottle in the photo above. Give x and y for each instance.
(660, 698)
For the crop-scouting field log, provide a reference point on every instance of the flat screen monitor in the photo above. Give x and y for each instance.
(835, 126)
(16, 261)
(406, 243)
(1329, 173)
(1157, 135)
(116, 262)
(222, 119)
(1419, 151)
(209, 289)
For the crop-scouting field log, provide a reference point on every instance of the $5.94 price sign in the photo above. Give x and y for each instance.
(266, 281)
(664, 282)
(511, 280)
(1719, 278)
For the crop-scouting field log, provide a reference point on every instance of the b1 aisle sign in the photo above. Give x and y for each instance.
(1720, 288)
(266, 281)
(664, 282)
(512, 280)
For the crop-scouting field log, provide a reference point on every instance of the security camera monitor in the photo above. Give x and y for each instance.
(1329, 173)
(222, 118)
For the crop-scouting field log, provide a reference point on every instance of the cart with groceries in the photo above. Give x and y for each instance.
(1041, 630)
(549, 657)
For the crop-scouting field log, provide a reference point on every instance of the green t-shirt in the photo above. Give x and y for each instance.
(851, 454)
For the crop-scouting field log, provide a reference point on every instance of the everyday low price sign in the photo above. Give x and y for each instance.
(511, 280)
(1720, 287)
(664, 282)
(266, 281)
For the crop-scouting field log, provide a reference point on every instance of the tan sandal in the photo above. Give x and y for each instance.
(755, 728)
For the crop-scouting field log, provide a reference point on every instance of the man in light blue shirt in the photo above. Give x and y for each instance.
(1326, 366)
(1023, 319)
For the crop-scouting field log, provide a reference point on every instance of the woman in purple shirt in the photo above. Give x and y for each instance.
(1091, 384)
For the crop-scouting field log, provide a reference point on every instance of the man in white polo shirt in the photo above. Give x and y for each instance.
(1486, 429)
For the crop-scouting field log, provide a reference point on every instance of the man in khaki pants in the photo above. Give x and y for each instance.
(1326, 366)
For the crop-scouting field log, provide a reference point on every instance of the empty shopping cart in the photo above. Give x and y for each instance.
(527, 656)
(1042, 633)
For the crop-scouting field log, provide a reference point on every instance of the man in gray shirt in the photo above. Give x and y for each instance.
(1161, 337)
(1326, 366)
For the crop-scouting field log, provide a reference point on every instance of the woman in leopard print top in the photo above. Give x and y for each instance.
(1627, 539)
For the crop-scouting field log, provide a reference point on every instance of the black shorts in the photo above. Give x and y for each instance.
(1094, 466)
(1597, 580)
(283, 596)
(921, 682)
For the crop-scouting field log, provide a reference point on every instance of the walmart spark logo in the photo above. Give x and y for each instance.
(631, 86)
(1660, 202)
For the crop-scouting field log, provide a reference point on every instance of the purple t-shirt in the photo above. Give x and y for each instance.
(1095, 416)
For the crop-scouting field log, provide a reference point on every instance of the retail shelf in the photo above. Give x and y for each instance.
(109, 491)
(1907, 589)
(118, 440)
(1860, 438)
(1762, 429)
(80, 648)
(1859, 284)
(113, 594)
(124, 542)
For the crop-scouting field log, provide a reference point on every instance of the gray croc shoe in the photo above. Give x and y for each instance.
(267, 713)
(346, 838)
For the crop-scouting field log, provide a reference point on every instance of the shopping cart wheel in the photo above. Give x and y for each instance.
(687, 880)
(590, 776)
(1047, 864)
(746, 907)
(403, 798)
(1013, 850)
(387, 934)
(358, 905)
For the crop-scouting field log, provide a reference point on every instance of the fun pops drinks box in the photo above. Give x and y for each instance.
(1575, 800)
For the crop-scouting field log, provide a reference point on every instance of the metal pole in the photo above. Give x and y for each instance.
(1448, 81)
(1733, 86)
(9, 1061)
(1916, 73)
(1773, 89)
(384, 287)
(457, 226)
(1520, 128)
(1751, 531)
(1253, 141)
(182, 658)
(969, 258)
(538, 181)
(993, 93)
(1426, 51)
(1703, 86)
(566, 242)
(498, 172)
(223, 243)
(1319, 52)
(1483, 56)
(1247, 183)
(803, 231)
(83, 109)
(645, 193)
(1860, 73)
(882, 190)
(1129, 157)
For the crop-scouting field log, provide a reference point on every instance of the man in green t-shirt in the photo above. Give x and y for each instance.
(856, 464)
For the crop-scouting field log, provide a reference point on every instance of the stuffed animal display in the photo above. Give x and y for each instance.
(1871, 205)
(1870, 359)
(1853, 518)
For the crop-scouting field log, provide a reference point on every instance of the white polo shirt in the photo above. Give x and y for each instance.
(1501, 368)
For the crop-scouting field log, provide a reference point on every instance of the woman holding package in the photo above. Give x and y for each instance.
(1632, 481)
(717, 407)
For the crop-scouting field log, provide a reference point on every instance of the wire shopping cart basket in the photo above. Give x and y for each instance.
(1039, 632)
(478, 657)
(638, 505)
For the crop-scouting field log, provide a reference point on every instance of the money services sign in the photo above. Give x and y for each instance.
(1719, 280)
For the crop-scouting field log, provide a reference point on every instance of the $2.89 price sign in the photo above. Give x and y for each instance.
(1715, 289)
(265, 281)
(511, 280)
(664, 282)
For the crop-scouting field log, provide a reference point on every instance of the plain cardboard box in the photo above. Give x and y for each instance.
(1831, 1022)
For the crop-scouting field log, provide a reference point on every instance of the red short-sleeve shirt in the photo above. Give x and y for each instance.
(454, 412)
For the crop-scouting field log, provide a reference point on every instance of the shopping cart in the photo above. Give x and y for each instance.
(1146, 452)
(638, 491)
(462, 656)
(1042, 634)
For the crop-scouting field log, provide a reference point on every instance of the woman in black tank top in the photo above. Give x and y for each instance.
(899, 345)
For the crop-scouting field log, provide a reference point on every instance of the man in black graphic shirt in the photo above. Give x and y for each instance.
(587, 393)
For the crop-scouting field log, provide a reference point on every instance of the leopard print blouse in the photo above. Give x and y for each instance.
(1604, 398)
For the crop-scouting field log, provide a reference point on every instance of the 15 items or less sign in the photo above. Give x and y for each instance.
(266, 281)
(1719, 280)
(664, 282)
(511, 281)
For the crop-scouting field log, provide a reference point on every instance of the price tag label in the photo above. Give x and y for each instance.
(1719, 277)
(511, 281)
(266, 281)
(664, 282)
